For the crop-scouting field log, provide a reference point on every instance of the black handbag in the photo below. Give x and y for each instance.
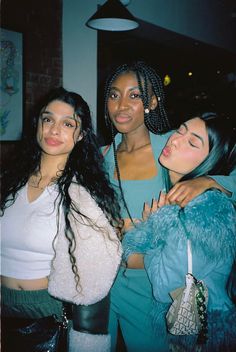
(93, 318)
(46, 334)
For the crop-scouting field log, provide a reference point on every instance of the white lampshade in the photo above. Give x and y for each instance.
(112, 16)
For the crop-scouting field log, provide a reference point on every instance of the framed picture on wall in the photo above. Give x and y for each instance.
(11, 85)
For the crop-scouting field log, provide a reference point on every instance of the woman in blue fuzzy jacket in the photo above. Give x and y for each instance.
(201, 146)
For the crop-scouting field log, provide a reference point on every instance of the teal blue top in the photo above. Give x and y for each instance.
(138, 191)
(229, 183)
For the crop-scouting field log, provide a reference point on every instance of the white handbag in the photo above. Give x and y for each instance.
(187, 314)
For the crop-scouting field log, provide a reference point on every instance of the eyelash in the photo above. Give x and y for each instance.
(190, 143)
(133, 96)
(45, 119)
(136, 95)
(68, 124)
(194, 146)
(48, 120)
(113, 95)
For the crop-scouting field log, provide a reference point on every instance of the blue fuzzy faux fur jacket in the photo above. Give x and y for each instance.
(211, 222)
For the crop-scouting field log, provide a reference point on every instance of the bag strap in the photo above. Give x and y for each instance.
(66, 313)
(200, 298)
(189, 246)
(190, 257)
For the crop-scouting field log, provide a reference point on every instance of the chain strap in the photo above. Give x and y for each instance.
(202, 312)
(64, 317)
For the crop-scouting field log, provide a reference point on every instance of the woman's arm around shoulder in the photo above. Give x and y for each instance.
(183, 192)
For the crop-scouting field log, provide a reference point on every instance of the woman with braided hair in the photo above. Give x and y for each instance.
(134, 107)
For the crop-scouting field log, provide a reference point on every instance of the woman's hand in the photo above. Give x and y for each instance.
(183, 192)
(155, 205)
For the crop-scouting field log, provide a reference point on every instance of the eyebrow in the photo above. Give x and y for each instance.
(194, 134)
(130, 89)
(64, 117)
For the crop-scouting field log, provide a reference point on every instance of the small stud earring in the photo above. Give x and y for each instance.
(146, 111)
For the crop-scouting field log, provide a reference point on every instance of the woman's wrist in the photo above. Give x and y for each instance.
(211, 183)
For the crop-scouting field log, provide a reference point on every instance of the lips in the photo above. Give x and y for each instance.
(52, 142)
(122, 118)
(166, 151)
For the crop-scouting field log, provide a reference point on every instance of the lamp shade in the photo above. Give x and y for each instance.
(112, 16)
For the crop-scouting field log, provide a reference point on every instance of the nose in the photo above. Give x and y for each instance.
(177, 139)
(123, 103)
(55, 129)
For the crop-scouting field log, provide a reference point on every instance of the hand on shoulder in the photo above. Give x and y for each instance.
(183, 192)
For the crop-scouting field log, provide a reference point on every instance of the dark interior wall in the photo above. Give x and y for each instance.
(212, 84)
(40, 22)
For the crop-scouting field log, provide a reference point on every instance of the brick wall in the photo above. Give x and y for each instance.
(41, 25)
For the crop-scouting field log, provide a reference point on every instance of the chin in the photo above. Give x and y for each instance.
(163, 161)
(123, 129)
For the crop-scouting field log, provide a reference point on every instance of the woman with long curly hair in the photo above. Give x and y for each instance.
(60, 225)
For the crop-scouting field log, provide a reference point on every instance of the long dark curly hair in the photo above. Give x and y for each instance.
(85, 165)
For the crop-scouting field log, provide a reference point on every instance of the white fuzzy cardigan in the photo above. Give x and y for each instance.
(98, 256)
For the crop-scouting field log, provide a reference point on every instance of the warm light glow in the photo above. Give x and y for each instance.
(190, 73)
(167, 80)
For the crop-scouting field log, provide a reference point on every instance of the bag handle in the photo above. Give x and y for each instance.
(200, 298)
(190, 258)
(189, 246)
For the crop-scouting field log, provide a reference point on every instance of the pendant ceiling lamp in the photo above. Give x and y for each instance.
(112, 16)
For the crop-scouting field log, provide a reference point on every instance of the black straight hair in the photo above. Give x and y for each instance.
(221, 159)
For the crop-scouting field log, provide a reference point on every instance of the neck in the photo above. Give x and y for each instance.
(51, 166)
(50, 169)
(174, 177)
(134, 140)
